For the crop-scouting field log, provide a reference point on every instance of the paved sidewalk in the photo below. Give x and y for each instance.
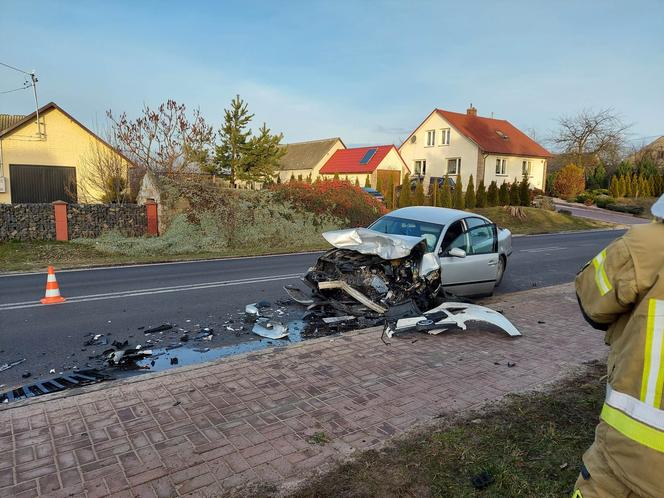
(202, 430)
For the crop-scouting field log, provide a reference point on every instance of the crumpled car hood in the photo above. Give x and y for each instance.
(366, 241)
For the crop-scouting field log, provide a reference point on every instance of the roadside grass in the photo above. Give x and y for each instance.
(38, 255)
(531, 444)
(539, 221)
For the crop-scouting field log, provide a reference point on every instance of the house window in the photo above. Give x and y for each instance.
(526, 169)
(501, 166)
(431, 138)
(445, 136)
(454, 166)
(420, 167)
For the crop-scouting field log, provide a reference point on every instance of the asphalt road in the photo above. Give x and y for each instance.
(118, 302)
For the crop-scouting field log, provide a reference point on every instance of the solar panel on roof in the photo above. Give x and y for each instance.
(368, 155)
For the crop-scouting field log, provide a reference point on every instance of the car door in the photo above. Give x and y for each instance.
(474, 274)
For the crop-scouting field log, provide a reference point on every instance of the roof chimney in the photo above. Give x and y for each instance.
(471, 111)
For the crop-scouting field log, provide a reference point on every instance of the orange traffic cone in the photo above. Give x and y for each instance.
(52, 290)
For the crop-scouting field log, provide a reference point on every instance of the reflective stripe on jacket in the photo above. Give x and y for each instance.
(622, 291)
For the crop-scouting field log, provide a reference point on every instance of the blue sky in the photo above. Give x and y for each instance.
(366, 71)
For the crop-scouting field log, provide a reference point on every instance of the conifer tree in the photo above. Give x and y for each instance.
(367, 182)
(514, 193)
(435, 194)
(357, 181)
(292, 177)
(419, 194)
(492, 194)
(299, 178)
(504, 194)
(336, 176)
(404, 195)
(481, 195)
(524, 192)
(622, 187)
(470, 199)
(389, 193)
(458, 193)
(309, 178)
(446, 194)
(614, 187)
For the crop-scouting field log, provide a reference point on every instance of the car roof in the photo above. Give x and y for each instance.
(430, 214)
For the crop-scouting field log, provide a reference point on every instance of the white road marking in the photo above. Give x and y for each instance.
(543, 249)
(167, 263)
(155, 290)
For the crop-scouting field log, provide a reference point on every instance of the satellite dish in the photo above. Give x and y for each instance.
(413, 139)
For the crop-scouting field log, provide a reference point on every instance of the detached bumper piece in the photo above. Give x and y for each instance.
(451, 316)
(67, 380)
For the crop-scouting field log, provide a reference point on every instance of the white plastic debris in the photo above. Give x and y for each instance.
(452, 315)
(251, 309)
(269, 330)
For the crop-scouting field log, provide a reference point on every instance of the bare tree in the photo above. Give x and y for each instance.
(106, 177)
(591, 137)
(165, 140)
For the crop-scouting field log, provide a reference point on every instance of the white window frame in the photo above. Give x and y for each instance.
(445, 136)
(501, 166)
(420, 167)
(529, 166)
(431, 138)
(457, 167)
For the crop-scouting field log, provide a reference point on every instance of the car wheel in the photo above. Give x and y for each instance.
(500, 270)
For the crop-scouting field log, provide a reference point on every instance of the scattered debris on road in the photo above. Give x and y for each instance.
(7, 366)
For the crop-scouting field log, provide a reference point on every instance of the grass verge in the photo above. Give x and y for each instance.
(539, 221)
(530, 444)
(37, 256)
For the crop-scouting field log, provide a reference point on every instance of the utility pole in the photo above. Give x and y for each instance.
(33, 76)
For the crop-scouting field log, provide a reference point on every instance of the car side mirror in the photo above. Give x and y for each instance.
(456, 252)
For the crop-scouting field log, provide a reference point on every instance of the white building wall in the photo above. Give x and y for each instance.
(437, 155)
(514, 165)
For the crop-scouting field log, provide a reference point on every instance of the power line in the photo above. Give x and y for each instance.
(14, 68)
(16, 89)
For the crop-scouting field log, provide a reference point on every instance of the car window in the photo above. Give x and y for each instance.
(481, 240)
(473, 222)
(454, 237)
(401, 226)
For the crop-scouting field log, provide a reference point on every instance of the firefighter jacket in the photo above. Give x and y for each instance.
(621, 291)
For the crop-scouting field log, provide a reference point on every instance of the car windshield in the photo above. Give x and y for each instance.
(413, 228)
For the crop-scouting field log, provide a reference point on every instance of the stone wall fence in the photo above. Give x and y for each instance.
(62, 221)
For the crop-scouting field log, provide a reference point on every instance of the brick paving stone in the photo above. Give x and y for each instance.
(246, 418)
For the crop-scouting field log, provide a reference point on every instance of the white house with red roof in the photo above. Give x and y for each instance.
(378, 162)
(489, 149)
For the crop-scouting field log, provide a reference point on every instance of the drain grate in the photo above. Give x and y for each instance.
(67, 380)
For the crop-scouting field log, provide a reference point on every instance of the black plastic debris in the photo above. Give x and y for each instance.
(25, 375)
(160, 328)
(96, 340)
(66, 380)
(511, 364)
(482, 480)
(119, 345)
(174, 360)
(184, 338)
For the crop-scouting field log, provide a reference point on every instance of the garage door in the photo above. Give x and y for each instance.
(42, 183)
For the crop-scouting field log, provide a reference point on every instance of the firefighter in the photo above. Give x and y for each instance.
(621, 291)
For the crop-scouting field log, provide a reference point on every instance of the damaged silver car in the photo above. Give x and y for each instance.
(410, 260)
